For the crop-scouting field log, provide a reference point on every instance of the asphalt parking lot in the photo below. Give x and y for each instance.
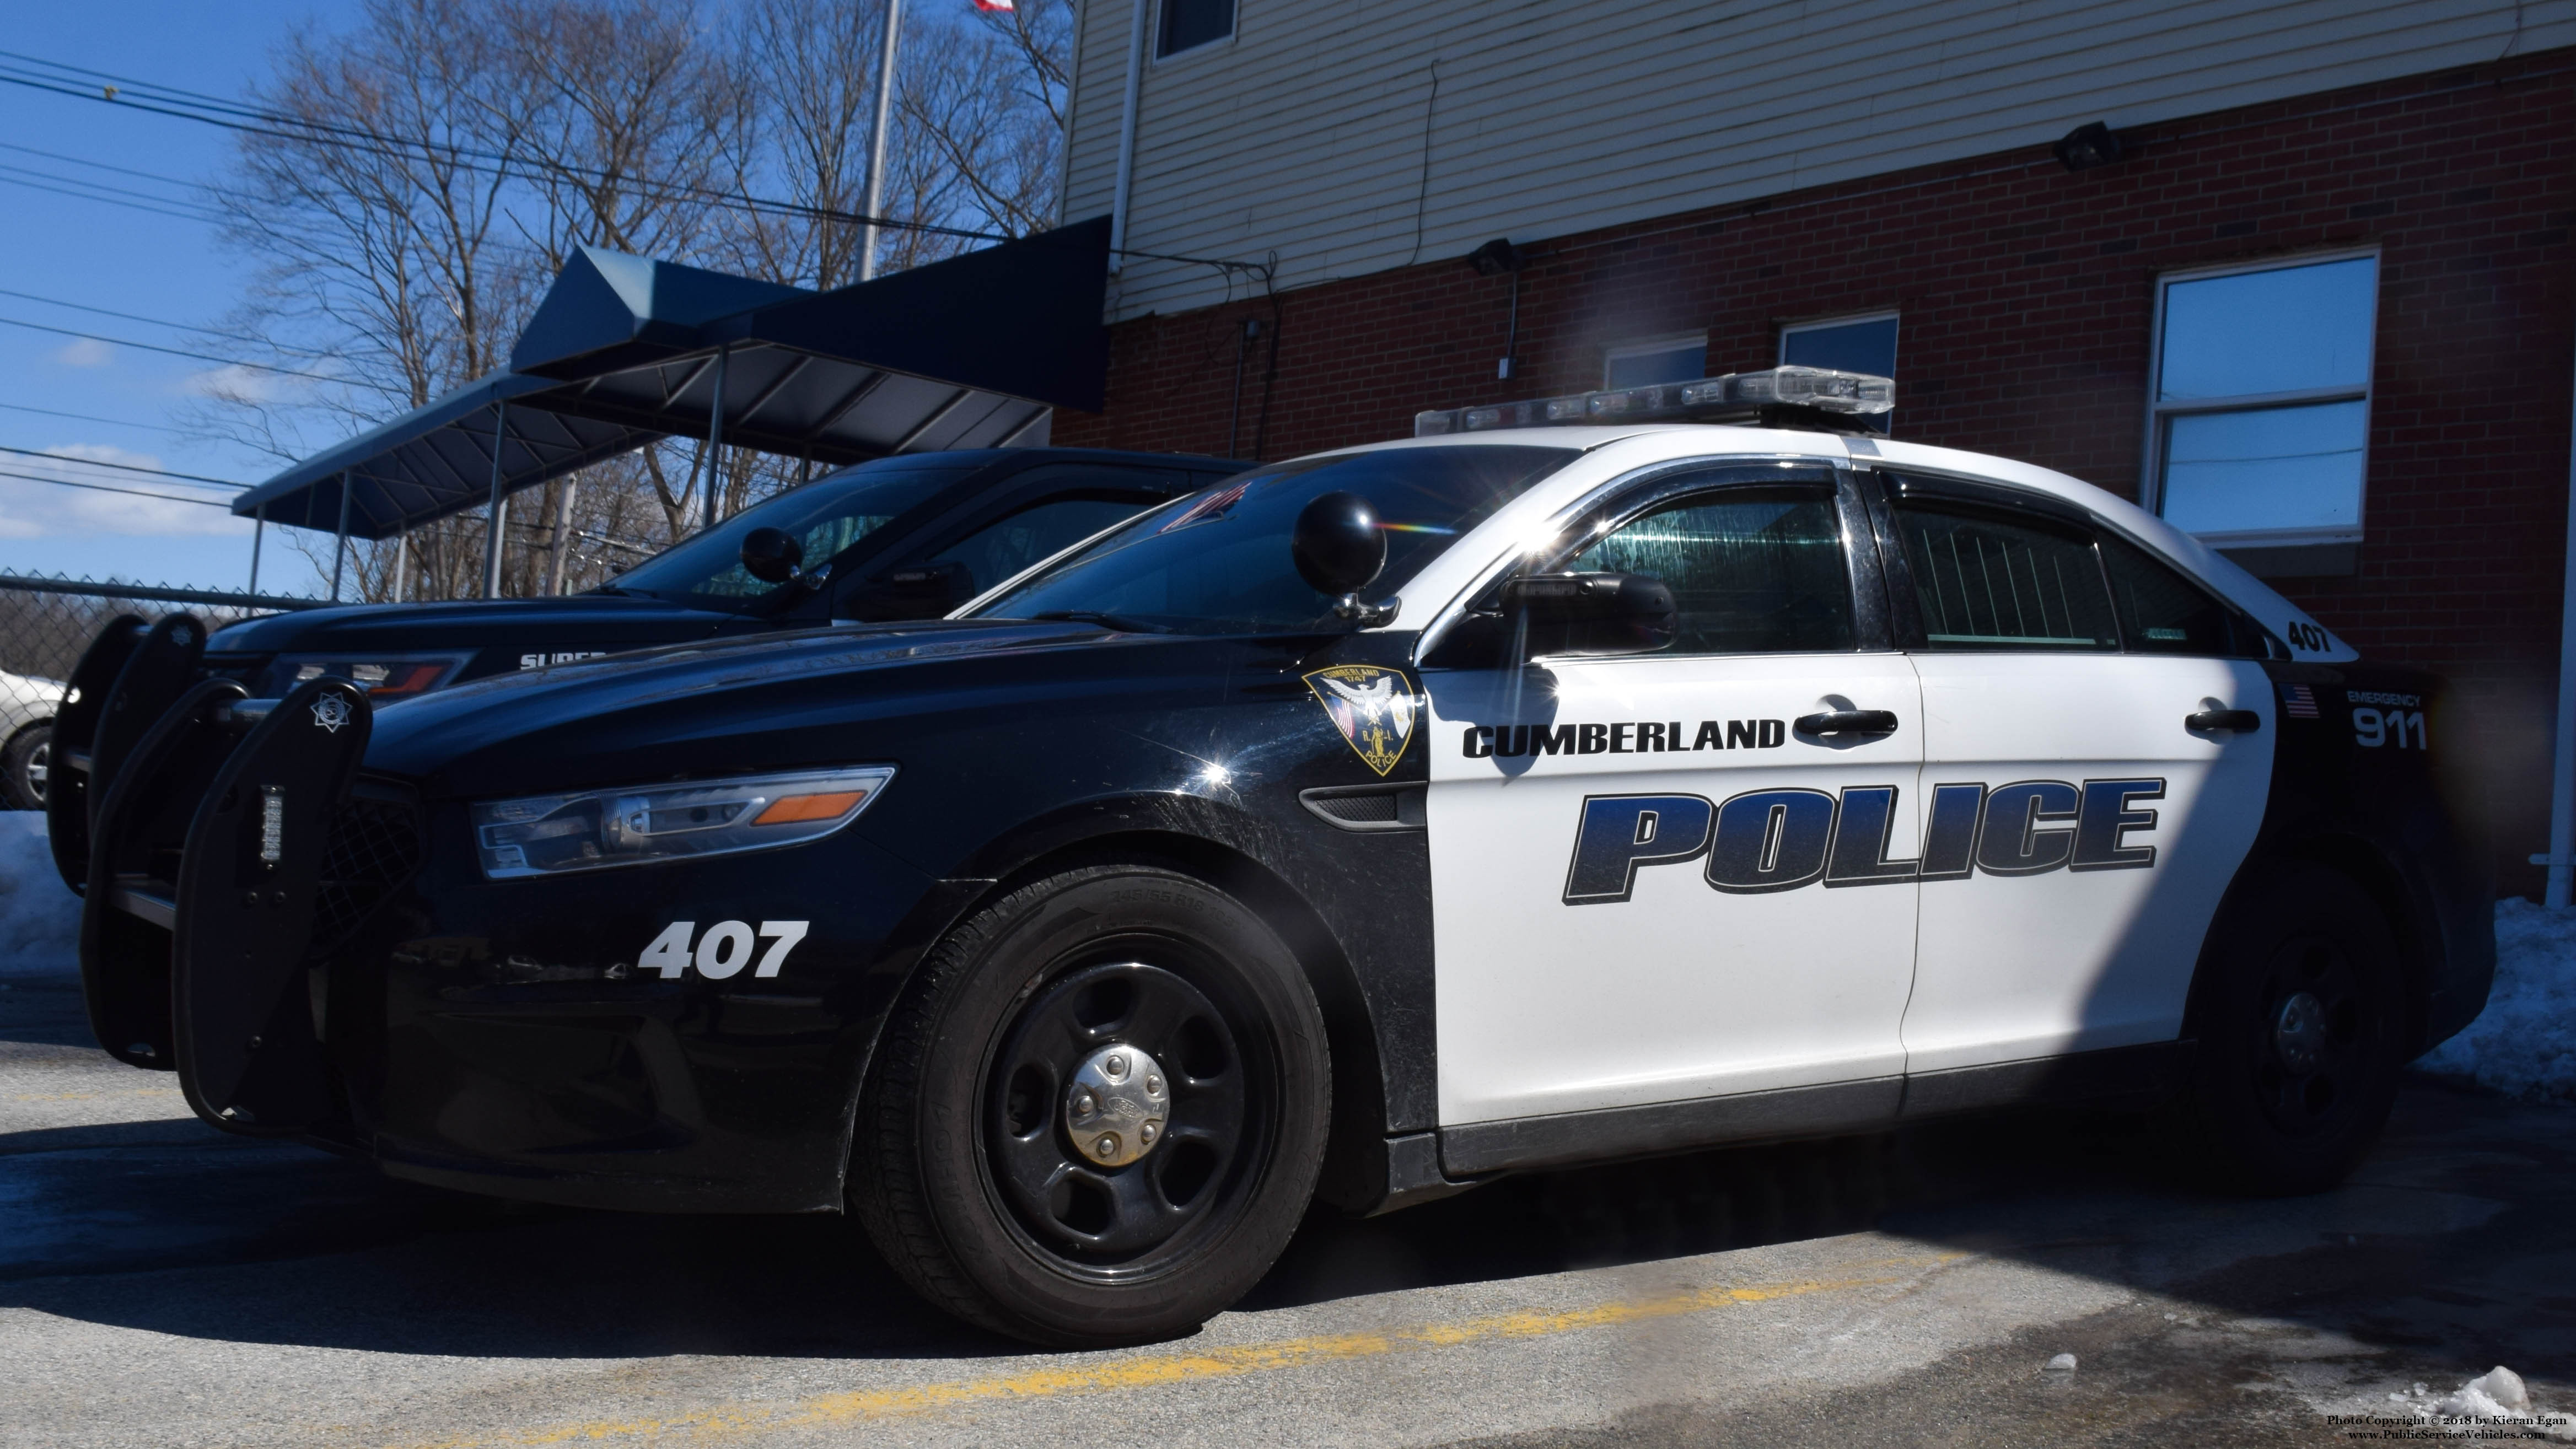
(163, 1284)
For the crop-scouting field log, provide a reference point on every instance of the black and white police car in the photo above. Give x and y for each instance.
(1360, 828)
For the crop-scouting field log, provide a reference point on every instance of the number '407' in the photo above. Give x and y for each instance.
(2399, 727)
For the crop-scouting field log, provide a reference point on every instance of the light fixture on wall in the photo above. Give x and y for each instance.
(1493, 259)
(2089, 145)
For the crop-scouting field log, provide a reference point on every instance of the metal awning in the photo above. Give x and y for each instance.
(972, 352)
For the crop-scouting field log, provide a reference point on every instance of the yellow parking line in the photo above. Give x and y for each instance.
(1211, 1363)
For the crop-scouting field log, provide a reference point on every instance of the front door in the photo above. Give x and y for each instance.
(1637, 861)
(2082, 833)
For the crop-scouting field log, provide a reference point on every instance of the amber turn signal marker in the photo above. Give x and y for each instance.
(793, 809)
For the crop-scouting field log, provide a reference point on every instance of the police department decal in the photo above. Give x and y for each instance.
(330, 712)
(1373, 707)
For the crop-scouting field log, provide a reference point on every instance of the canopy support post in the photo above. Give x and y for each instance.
(402, 566)
(555, 567)
(340, 546)
(715, 434)
(499, 512)
(258, 528)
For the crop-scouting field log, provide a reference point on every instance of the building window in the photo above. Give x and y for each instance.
(2260, 409)
(1658, 359)
(1189, 24)
(1850, 344)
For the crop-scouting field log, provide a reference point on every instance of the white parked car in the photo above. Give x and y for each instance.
(27, 706)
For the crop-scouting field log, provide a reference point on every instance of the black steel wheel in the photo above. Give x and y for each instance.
(2300, 1018)
(25, 764)
(1096, 1115)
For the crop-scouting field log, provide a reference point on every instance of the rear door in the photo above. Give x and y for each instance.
(1635, 859)
(2081, 833)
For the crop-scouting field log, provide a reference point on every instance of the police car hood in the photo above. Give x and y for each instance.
(463, 624)
(770, 701)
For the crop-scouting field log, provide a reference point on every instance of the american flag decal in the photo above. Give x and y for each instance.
(2298, 701)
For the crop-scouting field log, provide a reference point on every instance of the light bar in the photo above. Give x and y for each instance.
(1737, 395)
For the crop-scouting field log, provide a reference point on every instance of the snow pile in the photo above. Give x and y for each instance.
(39, 917)
(2494, 1399)
(2525, 1042)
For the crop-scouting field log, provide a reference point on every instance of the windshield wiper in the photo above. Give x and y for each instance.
(1095, 616)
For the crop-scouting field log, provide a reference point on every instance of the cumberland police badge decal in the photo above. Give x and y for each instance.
(1373, 707)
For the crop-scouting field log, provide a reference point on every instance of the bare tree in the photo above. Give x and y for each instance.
(444, 157)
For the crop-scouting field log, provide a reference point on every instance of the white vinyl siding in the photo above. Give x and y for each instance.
(1306, 135)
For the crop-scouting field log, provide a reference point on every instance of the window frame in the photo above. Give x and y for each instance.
(1780, 345)
(2151, 480)
(1602, 516)
(1157, 56)
(1648, 347)
(1886, 487)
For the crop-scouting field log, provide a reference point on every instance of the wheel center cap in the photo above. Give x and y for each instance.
(2299, 1032)
(1118, 1105)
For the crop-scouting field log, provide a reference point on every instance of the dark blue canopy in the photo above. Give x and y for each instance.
(967, 353)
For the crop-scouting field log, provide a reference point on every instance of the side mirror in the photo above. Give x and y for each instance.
(771, 555)
(1337, 544)
(1590, 614)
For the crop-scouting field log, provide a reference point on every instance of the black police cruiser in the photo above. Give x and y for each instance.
(907, 537)
(1360, 828)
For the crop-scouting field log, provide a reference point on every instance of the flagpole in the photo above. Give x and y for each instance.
(877, 142)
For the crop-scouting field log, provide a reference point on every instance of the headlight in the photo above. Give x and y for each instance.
(595, 829)
(385, 677)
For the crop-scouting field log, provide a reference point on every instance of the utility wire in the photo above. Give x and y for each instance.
(129, 492)
(210, 110)
(166, 322)
(127, 467)
(91, 418)
(109, 200)
(177, 352)
(100, 165)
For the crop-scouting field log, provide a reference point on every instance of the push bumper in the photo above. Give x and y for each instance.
(314, 953)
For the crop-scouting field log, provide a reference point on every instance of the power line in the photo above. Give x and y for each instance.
(100, 165)
(91, 418)
(176, 351)
(166, 322)
(109, 200)
(127, 467)
(129, 492)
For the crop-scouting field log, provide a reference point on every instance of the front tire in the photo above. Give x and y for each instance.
(2301, 1018)
(25, 766)
(990, 1162)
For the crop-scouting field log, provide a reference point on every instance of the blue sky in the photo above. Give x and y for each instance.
(163, 267)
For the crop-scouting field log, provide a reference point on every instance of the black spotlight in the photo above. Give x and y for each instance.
(2089, 145)
(1495, 258)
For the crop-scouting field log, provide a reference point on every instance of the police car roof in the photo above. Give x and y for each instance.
(1616, 450)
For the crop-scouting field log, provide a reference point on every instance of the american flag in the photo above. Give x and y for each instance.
(1003, 6)
(2299, 701)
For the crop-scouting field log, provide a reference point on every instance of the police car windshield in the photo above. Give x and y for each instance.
(826, 516)
(1217, 562)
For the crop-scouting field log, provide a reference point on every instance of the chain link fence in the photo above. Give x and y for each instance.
(45, 624)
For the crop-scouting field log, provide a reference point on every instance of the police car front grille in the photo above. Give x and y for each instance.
(375, 847)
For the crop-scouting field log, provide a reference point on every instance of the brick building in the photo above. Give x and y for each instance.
(2329, 324)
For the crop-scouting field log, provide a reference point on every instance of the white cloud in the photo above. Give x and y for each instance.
(33, 509)
(235, 383)
(85, 352)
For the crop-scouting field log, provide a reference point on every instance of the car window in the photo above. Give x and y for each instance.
(1218, 562)
(1983, 582)
(826, 516)
(2161, 612)
(1753, 570)
(998, 550)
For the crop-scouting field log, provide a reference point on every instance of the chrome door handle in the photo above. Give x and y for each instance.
(2242, 721)
(1848, 722)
